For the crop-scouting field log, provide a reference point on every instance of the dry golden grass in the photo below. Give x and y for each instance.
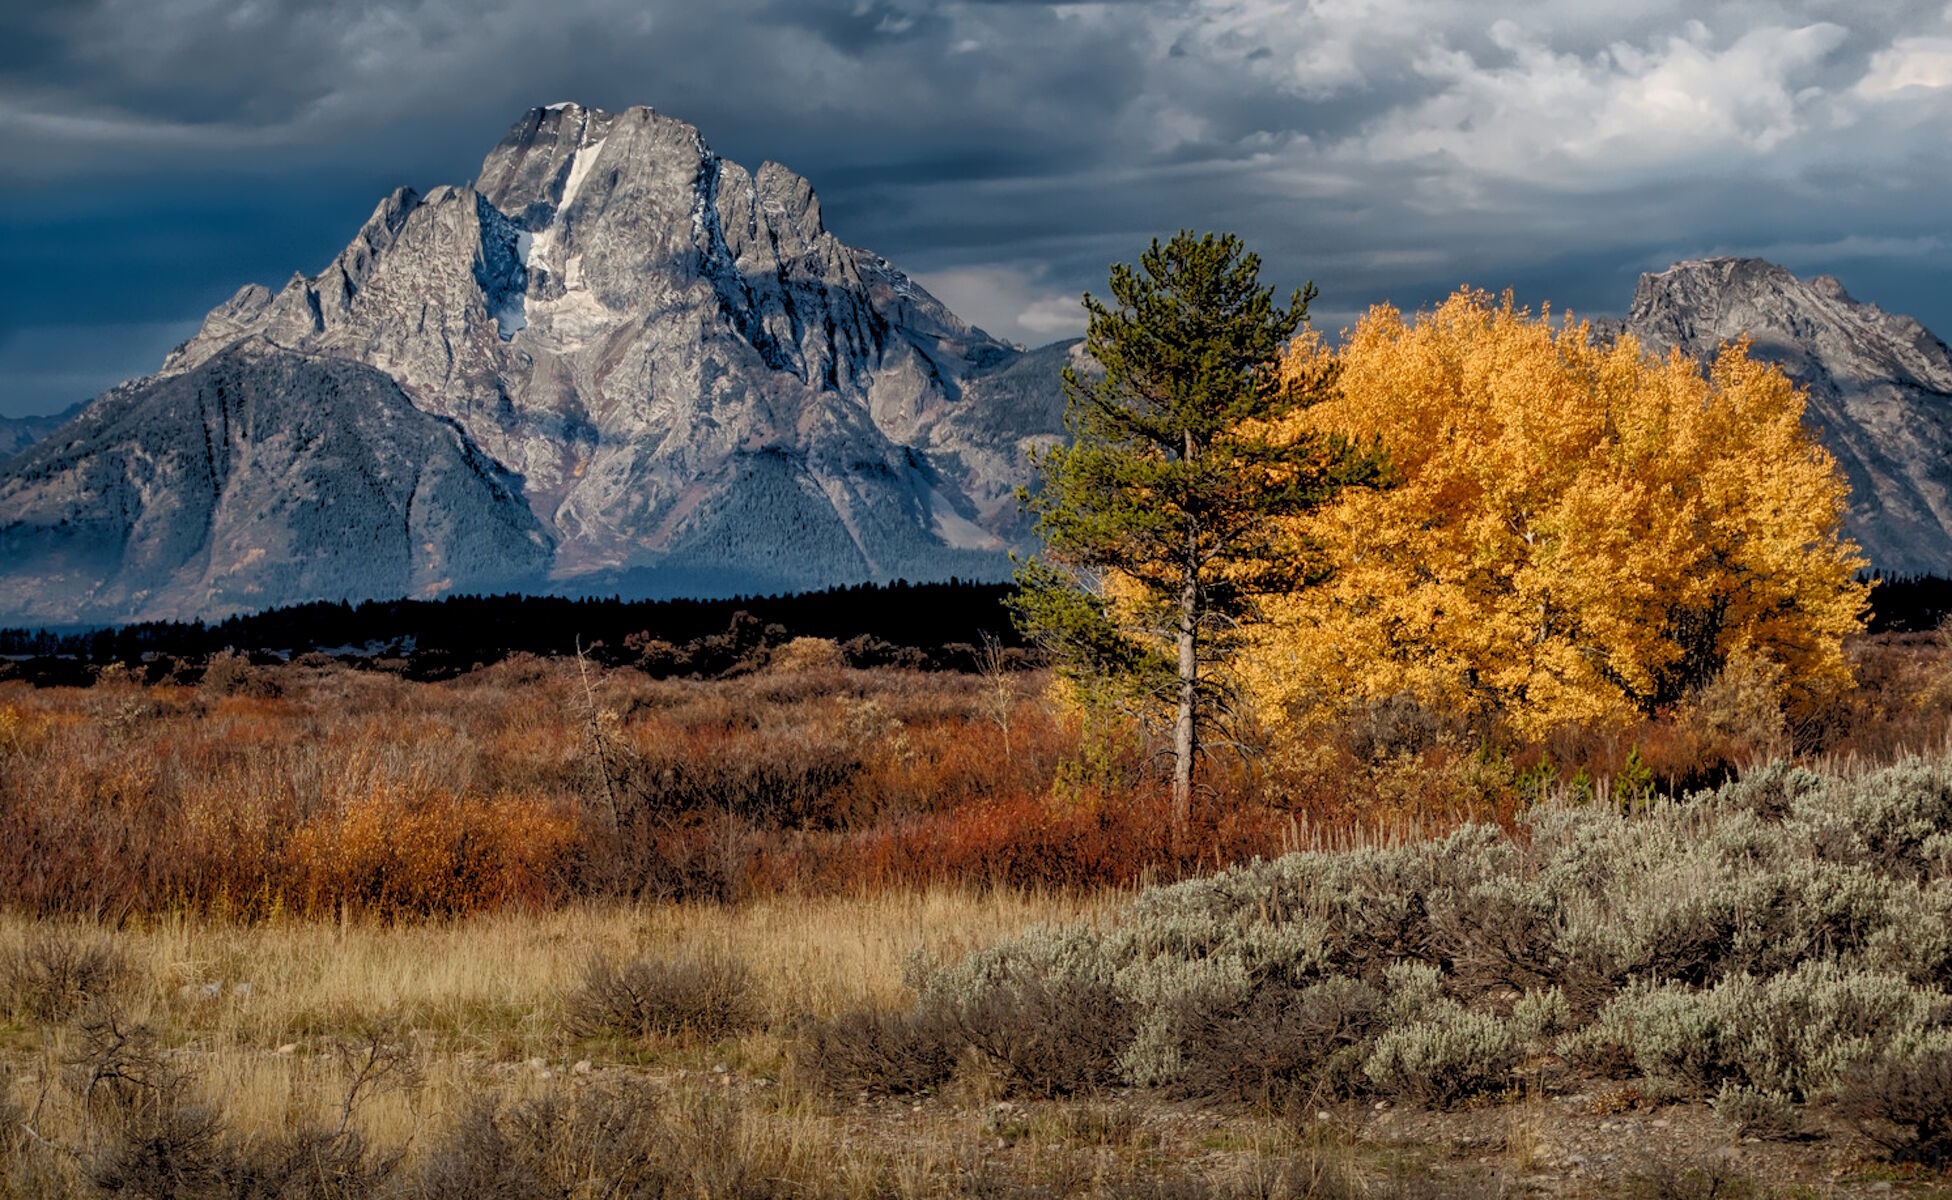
(479, 1002)
(259, 1009)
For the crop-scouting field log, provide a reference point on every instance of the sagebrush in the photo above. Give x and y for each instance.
(1764, 945)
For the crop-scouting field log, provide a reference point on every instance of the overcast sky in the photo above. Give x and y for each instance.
(157, 154)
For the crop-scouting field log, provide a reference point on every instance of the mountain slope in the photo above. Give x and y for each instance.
(258, 476)
(1880, 388)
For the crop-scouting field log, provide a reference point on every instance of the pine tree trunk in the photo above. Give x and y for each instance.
(1185, 745)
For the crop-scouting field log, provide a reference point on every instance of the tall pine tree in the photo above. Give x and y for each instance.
(1161, 521)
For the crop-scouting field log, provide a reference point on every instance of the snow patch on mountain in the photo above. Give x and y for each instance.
(580, 166)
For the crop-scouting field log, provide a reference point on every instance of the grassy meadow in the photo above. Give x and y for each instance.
(555, 929)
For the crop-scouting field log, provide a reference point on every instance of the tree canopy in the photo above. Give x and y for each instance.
(1581, 532)
(1163, 520)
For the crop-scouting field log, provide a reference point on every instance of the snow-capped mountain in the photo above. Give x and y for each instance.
(615, 362)
(1880, 388)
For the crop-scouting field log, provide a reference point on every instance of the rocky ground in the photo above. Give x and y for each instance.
(1599, 1139)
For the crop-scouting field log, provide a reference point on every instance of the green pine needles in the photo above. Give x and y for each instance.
(1165, 518)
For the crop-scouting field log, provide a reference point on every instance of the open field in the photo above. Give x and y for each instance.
(492, 1070)
(304, 930)
(255, 1017)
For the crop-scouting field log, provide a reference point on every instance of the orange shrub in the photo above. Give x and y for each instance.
(397, 852)
(1028, 841)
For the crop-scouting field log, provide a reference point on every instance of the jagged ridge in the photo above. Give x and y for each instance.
(691, 384)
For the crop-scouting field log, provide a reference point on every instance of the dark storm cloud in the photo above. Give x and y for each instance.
(156, 154)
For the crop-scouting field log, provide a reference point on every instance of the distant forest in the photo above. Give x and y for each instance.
(922, 624)
(914, 623)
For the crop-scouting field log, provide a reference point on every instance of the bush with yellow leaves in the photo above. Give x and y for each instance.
(1579, 533)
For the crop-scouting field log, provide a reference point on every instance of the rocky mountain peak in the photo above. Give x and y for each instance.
(1813, 327)
(688, 381)
(1880, 387)
(540, 167)
(1830, 287)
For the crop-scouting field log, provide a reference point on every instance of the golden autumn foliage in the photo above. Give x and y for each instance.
(1579, 533)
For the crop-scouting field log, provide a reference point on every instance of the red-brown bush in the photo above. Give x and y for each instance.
(330, 789)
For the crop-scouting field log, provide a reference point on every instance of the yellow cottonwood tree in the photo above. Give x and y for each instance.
(1578, 533)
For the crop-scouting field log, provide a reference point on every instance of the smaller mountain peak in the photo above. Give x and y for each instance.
(1830, 287)
(388, 215)
(1692, 280)
(787, 192)
(1728, 266)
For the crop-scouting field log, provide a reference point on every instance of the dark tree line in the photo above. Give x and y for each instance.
(920, 616)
